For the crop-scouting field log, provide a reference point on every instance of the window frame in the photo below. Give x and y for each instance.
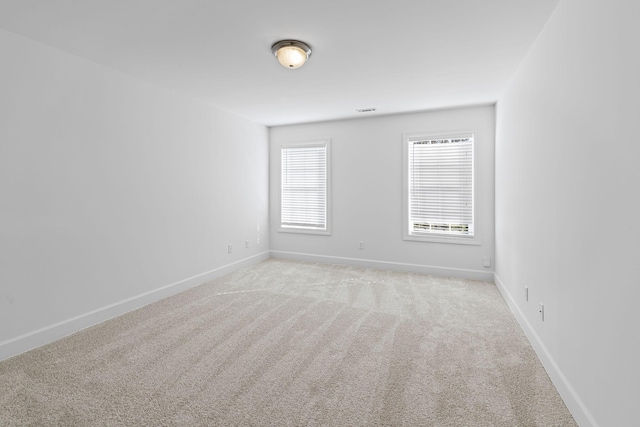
(326, 142)
(475, 239)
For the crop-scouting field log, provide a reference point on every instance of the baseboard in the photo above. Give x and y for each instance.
(59, 330)
(571, 398)
(386, 265)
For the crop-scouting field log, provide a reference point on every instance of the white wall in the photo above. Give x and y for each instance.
(367, 194)
(111, 189)
(568, 203)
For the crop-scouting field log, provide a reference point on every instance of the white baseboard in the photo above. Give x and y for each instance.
(575, 405)
(386, 265)
(31, 340)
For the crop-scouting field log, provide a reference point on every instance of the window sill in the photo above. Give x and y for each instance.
(304, 231)
(440, 238)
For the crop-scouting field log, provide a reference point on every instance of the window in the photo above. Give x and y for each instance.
(304, 188)
(439, 188)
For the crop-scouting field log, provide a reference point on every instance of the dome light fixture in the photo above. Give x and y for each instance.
(291, 54)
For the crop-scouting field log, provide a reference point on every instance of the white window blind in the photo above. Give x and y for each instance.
(440, 186)
(304, 187)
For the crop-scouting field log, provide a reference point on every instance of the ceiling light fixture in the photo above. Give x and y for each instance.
(291, 53)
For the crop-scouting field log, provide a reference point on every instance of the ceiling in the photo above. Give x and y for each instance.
(394, 56)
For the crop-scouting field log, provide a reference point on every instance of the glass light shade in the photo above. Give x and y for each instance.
(291, 56)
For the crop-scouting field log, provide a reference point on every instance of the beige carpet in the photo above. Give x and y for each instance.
(293, 344)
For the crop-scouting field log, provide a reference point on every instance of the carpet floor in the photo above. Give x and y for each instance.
(284, 343)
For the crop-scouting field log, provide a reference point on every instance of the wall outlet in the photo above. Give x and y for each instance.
(486, 262)
(246, 244)
(360, 244)
(526, 293)
(542, 311)
(230, 249)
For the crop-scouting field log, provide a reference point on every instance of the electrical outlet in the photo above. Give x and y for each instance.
(360, 244)
(486, 262)
(542, 311)
(526, 293)
(246, 244)
(230, 249)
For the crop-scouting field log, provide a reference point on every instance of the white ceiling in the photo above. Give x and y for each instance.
(395, 56)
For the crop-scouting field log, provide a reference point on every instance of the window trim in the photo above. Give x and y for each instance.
(439, 238)
(326, 142)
